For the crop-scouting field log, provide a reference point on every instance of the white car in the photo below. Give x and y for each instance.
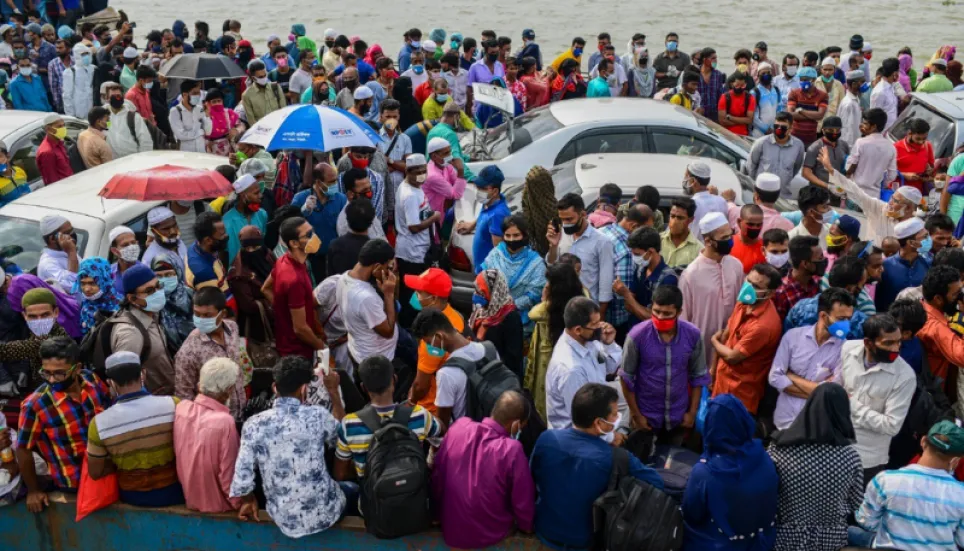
(92, 217)
(21, 133)
(585, 176)
(564, 130)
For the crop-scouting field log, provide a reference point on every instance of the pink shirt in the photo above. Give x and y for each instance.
(206, 446)
(771, 219)
(709, 292)
(442, 184)
(142, 101)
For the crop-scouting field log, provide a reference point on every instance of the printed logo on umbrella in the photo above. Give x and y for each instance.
(341, 132)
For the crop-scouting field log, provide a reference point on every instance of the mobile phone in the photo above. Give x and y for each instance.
(556, 224)
(321, 359)
(132, 24)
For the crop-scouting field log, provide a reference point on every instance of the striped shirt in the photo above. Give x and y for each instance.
(622, 268)
(56, 426)
(864, 304)
(915, 509)
(137, 434)
(354, 437)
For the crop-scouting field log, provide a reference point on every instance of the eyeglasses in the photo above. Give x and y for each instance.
(55, 376)
(147, 292)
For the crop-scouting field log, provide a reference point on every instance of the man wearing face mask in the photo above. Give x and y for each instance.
(810, 355)
(414, 219)
(488, 224)
(648, 271)
(696, 183)
(139, 317)
(247, 211)
(483, 71)
(747, 345)
(909, 266)
(444, 184)
(883, 96)
(808, 105)
(68, 392)
(214, 336)
(78, 91)
(670, 63)
(776, 249)
(814, 203)
(119, 137)
(779, 153)
(59, 260)
(290, 285)
(593, 249)
(849, 274)
(944, 347)
(814, 171)
(40, 310)
(844, 232)
(187, 118)
(123, 247)
(164, 237)
(748, 247)
(140, 93)
(264, 96)
(915, 154)
(710, 283)
(571, 466)
(356, 183)
(880, 385)
(322, 205)
(788, 79)
(52, 159)
(204, 266)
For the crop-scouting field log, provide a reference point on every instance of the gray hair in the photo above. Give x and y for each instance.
(579, 311)
(218, 376)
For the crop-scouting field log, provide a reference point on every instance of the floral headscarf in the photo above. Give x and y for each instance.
(109, 300)
(492, 303)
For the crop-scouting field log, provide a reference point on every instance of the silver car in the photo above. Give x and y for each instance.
(945, 114)
(21, 132)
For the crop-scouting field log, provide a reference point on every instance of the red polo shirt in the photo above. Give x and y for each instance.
(292, 290)
(52, 161)
(914, 158)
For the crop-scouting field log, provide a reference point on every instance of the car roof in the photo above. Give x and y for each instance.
(583, 110)
(662, 171)
(12, 120)
(78, 193)
(949, 103)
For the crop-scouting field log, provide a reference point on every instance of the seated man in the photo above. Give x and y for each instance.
(571, 467)
(481, 480)
(206, 439)
(135, 438)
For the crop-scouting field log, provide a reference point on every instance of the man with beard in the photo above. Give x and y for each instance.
(204, 266)
(814, 171)
(164, 237)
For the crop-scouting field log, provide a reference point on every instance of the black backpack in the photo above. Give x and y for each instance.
(633, 515)
(488, 379)
(77, 163)
(158, 137)
(395, 487)
(96, 345)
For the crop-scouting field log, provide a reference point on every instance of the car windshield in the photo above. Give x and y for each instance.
(495, 144)
(735, 140)
(941, 135)
(21, 245)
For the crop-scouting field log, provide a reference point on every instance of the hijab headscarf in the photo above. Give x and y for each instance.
(69, 317)
(260, 262)
(109, 300)
(739, 466)
(906, 62)
(954, 70)
(409, 112)
(825, 419)
(177, 317)
(370, 57)
(492, 286)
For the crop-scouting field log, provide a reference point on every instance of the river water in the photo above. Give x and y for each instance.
(726, 25)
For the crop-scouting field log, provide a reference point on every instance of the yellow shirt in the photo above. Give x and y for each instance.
(432, 110)
(682, 255)
(682, 100)
(564, 56)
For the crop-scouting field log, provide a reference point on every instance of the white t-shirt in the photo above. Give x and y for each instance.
(411, 208)
(363, 309)
(451, 382)
(300, 81)
(417, 80)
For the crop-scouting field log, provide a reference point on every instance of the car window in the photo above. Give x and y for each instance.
(497, 143)
(627, 141)
(25, 154)
(139, 225)
(677, 143)
(941, 135)
(21, 245)
(73, 131)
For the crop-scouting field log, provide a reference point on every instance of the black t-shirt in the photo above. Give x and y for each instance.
(281, 78)
(343, 253)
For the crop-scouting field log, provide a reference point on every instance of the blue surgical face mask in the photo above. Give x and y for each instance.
(806, 85)
(3, 167)
(839, 329)
(747, 294)
(925, 245)
(479, 300)
(864, 88)
(577, 52)
(441, 98)
(418, 69)
(671, 46)
(206, 325)
(434, 351)
(62, 386)
(168, 283)
(155, 302)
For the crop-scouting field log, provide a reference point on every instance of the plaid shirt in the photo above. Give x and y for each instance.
(55, 426)
(55, 75)
(791, 293)
(623, 268)
(710, 93)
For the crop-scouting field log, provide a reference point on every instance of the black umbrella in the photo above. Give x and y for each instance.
(201, 67)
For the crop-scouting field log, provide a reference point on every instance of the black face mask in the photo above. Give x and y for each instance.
(116, 102)
(573, 229)
(724, 246)
(820, 268)
(220, 245)
(516, 245)
(950, 307)
(753, 233)
(491, 58)
(832, 138)
(882, 356)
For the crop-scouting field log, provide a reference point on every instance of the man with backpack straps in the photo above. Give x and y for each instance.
(121, 140)
(572, 468)
(736, 106)
(381, 445)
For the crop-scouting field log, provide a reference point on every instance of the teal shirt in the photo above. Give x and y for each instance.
(598, 88)
(234, 221)
(306, 95)
(127, 79)
(443, 130)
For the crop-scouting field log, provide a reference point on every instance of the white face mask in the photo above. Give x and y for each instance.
(195, 100)
(640, 261)
(263, 81)
(791, 70)
(131, 252)
(608, 437)
(778, 260)
(421, 178)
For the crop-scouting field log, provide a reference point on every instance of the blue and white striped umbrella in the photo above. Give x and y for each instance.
(311, 127)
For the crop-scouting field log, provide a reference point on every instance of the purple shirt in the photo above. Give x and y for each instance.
(661, 374)
(800, 354)
(479, 72)
(481, 484)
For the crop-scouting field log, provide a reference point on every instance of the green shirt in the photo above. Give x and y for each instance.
(127, 79)
(598, 88)
(306, 95)
(935, 83)
(682, 255)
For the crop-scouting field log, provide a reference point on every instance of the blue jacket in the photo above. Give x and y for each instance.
(29, 96)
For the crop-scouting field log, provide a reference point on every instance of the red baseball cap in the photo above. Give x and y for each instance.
(432, 281)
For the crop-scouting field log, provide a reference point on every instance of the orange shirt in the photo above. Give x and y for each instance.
(944, 347)
(141, 99)
(431, 364)
(756, 334)
(749, 255)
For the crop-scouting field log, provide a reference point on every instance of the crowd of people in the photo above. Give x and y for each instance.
(809, 361)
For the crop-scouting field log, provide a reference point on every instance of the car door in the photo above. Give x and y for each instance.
(673, 141)
(603, 140)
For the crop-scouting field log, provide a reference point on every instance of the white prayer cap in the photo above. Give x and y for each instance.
(940, 62)
(51, 223)
(856, 74)
(130, 52)
(415, 159)
(712, 221)
(766, 181)
(331, 33)
(437, 144)
(244, 183)
(829, 61)
(908, 228)
(867, 47)
(254, 167)
(52, 118)
(158, 214)
(428, 46)
(910, 193)
(273, 37)
(698, 169)
(363, 93)
(764, 65)
(123, 357)
(117, 232)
